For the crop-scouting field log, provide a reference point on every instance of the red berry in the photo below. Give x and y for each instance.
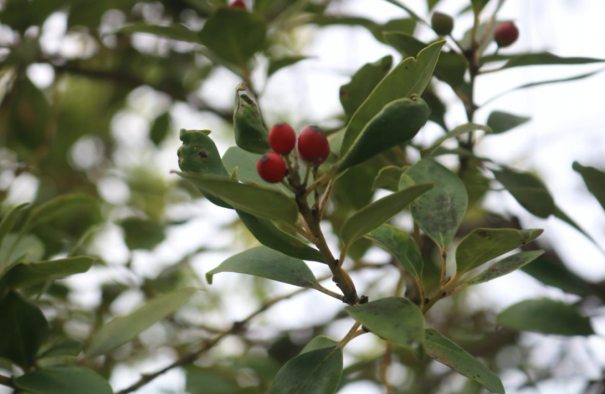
(271, 167)
(506, 34)
(238, 4)
(282, 138)
(313, 146)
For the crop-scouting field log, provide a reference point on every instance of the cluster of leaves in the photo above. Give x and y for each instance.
(383, 109)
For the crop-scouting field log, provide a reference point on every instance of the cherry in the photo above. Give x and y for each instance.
(271, 167)
(442, 24)
(506, 34)
(313, 146)
(282, 138)
(238, 4)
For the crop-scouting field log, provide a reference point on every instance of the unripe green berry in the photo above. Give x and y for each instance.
(442, 24)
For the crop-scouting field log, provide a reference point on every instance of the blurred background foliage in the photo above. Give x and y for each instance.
(92, 96)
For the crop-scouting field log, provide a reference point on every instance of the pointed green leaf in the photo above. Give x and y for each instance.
(478, 5)
(547, 317)
(378, 31)
(160, 128)
(28, 274)
(63, 380)
(528, 190)
(173, 31)
(253, 199)
(271, 236)
(440, 211)
(276, 64)
(451, 66)
(447, 352)
(501, 121)
(23, 329)
(251, 134)
(268, 263)
(388, 178)
(594, 180)
(409, 77)
(25, 248)
(395, 319)
(316, 372)
(559, 214)
(398, 122)
(379, 212)
(504, 267)
(68, 347)
(57, 207)
(354, 93)
(123, 329)
(541, 83)
(456, 132)
(402, 246)
(546, 59)
(9, 220)
(319, 342)
(485, 244)
(234, 35)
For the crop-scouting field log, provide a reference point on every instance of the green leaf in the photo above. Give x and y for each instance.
(388, 178)
(394, 319)
(409, 77)
(593, 178)
(253, 199)
(319, 342)
(553, 272)
(547, 317)
(268, 263)
(23, 329)
(316, 372)
(451, 66)
(378, 31)
(440, 211)
(379, 212)
(234, 35)
(271, 236)
(28, 274)
(251, 134)
(63, 380)
(25, 248)
(160, 128)
(57, 207)
(431, 4)
(528, 190)
(142, 233)
(501, 121)
(504, 267)
(457, 132)
(398, 122)
(447, 352)
(541, 83)
(478, 5)
(354, 93)
(68, 347)
(542, 59)
(276, 64)
(123, 329)
(173, 31)
(559, 214)
(485, 244)
(402, 246)
(9, 220)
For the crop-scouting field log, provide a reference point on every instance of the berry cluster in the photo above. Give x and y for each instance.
(313, 148)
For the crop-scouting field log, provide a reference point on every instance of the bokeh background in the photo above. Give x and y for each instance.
(114, 134)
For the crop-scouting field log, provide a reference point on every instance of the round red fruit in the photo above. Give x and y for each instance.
(238, 4)
(271, 167)
(506, 34)
(313, 146)
(282, 138)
